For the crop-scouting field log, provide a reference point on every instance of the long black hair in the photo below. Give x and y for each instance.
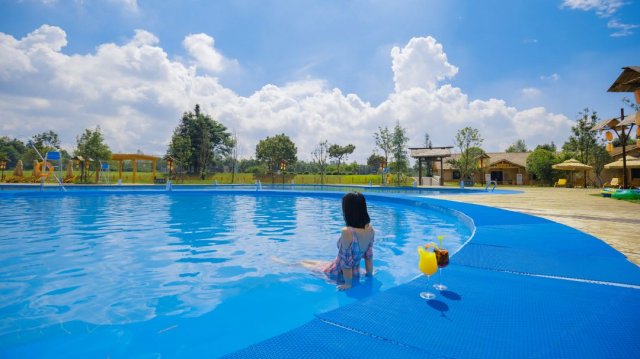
(354, 210)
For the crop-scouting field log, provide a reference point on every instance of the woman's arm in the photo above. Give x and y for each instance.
(348, 278)
(368, 256)
(368, 264)
(346, 238)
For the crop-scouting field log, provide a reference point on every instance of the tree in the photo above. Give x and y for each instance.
(375, 160)
(539, 163)
(180, 150)
(43, 142)
(518, 146)
(91, 144)
(584, 139)
(320, 154)
(339, 152)
(250, 166)
(274, 150)
(384, 141)
(210, 140)
(600, 158)
(551, 147)
(399, 141)
(46, 140)
(466, 139)
(12, 149)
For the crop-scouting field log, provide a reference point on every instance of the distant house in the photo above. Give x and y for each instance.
(506, 168)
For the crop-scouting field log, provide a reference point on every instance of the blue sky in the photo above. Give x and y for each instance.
(314, 70)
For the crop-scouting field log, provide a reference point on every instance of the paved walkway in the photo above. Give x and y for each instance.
(613, 221)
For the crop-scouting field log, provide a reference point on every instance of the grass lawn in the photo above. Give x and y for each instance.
(221, 178)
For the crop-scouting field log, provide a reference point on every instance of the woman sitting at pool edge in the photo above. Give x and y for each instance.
(355, 243)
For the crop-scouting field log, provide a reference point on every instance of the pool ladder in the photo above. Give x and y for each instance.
(494, 183)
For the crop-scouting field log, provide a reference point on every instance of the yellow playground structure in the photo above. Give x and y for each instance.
(134, 157)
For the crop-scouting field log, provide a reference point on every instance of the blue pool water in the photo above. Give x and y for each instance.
(193, 273)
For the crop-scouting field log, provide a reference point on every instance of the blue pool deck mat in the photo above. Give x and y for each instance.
(523, 287)
(487, 314)
(321, 340)
(483, 314)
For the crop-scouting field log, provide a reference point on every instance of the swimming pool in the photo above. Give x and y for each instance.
(186, 273)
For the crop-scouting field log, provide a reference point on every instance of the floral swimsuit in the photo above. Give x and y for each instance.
(348, 257)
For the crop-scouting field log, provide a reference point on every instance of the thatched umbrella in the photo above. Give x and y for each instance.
(19, 171)
(573, 165)
(36, 169)
(632, 162)
(70, 169)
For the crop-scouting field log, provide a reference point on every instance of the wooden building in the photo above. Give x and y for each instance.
(506, 168)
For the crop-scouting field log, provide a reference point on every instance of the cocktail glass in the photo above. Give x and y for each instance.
(428, 266)
(442, 257)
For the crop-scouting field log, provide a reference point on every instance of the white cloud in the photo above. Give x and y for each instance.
(550, 78)
(201, 48)
(624, 29)
(603, 8)
(136, 94)
(47, 37)
(130, 5)
(143, 37)
(530, 92)
(421, 63)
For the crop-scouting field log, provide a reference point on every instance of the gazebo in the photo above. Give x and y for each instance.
(429, 154)
(134, 157)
